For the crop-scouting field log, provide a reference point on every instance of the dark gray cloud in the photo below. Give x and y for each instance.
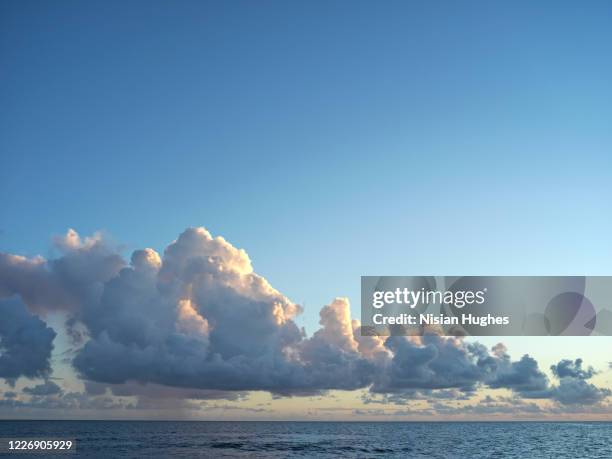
(573, 389)
(434, 362)
(25, 342)
(157, 392)
(525, 378)
(522, 376)
(567, 368)
(47, 388)
(577, 391)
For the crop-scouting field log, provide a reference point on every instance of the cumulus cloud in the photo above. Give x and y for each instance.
(32, 280)
(576, 391)
(200, 318)
(573, 388)
(522, 376)
(65, 283)
(434, 362)
(25, 342)
(197, 322)
(567, 368)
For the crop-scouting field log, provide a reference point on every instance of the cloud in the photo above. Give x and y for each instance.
(433, 362)
(63, 401)
(200, 317)
(522, 376)
(567, 368)
(25, 342)
(64, 283)
(31, 279)
(157, 392)
(573, 389)
(493, 406)
(47, 388)
(330, 359)
(197, 322)
(577, 391)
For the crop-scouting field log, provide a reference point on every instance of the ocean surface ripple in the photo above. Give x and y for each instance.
(135, 439)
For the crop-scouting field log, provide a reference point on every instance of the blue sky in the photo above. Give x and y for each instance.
(329, 139)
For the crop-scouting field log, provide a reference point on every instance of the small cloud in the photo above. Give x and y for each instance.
(47, 388)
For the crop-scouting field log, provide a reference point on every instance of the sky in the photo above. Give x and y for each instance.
(329, 140)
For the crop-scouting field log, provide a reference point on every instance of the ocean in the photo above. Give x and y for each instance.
(135, 439)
